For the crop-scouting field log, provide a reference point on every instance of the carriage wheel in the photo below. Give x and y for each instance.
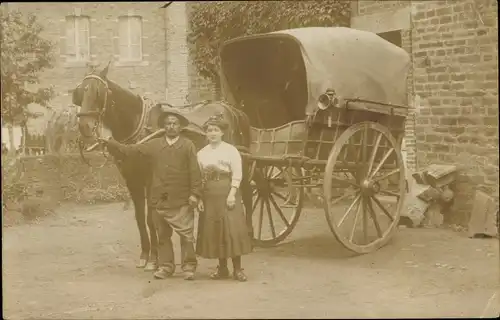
(364, 187)
(277, 199)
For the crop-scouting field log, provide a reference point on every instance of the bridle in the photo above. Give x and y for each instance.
(99, 116)
(96, 114)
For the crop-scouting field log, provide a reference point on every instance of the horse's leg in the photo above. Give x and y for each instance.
(138, 195)
(152, 264)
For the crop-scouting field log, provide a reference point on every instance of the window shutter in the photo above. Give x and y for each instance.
(84, 38)
(123, 41)
(136, 38)
(136, 30)
(136, 53)
(68, 47)
(115, 35)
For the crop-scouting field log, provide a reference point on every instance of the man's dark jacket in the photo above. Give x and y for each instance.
(176, 173)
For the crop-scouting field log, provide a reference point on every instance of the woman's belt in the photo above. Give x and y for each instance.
(216, 176)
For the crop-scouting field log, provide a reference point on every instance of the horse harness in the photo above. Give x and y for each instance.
(134, 136)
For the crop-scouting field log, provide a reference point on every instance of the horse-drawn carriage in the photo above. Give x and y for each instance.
(326, 109)
(333, 117)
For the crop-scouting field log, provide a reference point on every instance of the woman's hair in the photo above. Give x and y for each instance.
(218, 121)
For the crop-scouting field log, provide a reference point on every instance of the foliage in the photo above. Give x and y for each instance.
(19, 203)
(13, 189)
(213, 23)
(25, 53)
(62, 132)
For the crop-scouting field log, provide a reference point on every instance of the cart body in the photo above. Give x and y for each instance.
(327, 106)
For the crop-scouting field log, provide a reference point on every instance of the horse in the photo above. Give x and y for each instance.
(129, 119)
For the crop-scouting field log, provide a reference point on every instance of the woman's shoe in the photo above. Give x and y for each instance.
(239, 275)
(221, 273)
(163, 273)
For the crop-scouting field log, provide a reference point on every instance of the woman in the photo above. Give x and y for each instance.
(222, 231)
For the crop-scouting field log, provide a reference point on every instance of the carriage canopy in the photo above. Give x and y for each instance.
(286, 71)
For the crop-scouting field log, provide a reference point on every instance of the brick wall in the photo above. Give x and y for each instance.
(177, 53)
(452, 86)
(385, 16)
(410, 143)
(455, 48)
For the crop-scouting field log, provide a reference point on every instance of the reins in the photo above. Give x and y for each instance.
(99, 115)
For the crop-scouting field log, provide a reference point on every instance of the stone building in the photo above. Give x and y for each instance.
(453, 86)
(147, 46)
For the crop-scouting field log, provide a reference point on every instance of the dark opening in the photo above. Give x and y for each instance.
(268, 77)
(393, 37)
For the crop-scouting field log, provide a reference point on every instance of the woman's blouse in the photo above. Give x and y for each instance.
(225, 157)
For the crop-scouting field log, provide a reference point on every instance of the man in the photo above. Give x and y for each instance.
(174, 190)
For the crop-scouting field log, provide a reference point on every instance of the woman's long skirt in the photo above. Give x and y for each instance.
(222, 233)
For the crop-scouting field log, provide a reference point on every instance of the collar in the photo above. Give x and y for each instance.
(170, 142)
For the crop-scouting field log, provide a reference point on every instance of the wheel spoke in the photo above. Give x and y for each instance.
(277, 174)
(364, 149)
(365, 220)
(280, 212)
(356, 217)
(374, 153)
(254, 206)
(349, 209)
(269, 215)
(269, 171)
(379, 204)
(343, 197)
(374, 217)
(252, 170)
(346, 153)
(385, 176)
(390, 193)
(261, 218)
(279, 195)
(384, 159)
(346, 181)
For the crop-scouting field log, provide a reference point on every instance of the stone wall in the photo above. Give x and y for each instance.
(146, 77)
(376, 6)
(455, 48)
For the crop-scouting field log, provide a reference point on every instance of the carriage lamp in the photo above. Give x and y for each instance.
(327, 99)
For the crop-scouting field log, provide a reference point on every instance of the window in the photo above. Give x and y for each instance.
(78, 38)
(130, 30)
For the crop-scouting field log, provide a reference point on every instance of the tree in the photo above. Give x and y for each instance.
(212, 23)
(25, 53)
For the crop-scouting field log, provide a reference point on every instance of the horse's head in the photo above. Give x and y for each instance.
(92, 97)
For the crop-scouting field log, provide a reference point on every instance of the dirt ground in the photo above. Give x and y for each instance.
(80, 263)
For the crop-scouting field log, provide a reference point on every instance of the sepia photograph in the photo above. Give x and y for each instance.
(333, 159)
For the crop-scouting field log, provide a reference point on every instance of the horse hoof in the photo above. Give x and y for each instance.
(151, 266)
(142, 263)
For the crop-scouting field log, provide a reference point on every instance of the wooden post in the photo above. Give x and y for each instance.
(12, 147)
(483, 216)
(24, 131)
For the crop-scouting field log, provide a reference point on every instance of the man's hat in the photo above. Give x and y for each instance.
(166, 111)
